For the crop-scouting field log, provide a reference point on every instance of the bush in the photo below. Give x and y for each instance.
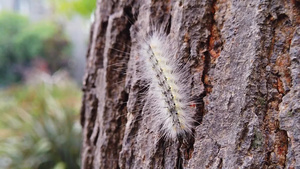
(11, 26)
(44, 40)
(22, 41)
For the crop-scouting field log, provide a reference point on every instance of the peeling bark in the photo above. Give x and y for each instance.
(245, 67)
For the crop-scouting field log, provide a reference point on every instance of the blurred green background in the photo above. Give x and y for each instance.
(42, 55)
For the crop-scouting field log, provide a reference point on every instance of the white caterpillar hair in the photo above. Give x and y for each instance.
(169, 90)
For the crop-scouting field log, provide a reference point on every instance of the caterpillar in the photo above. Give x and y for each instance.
(169, 86)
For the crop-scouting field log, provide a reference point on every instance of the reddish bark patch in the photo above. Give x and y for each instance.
(281, 146)
(214, 45)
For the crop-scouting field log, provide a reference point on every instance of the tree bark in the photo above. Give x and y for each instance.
(245, 70)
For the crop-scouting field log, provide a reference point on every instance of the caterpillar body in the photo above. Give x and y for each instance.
(169, 86)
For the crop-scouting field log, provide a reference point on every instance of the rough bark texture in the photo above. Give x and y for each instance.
(245, 57)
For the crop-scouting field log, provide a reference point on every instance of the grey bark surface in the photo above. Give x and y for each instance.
(245, 64)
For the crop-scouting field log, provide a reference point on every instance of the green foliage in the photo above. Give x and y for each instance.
(39, 126)
(29, 41)
(11, 25)
(45, 40)
(70, 7)
(22, 41)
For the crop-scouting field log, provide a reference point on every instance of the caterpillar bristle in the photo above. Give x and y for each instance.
(169, 86)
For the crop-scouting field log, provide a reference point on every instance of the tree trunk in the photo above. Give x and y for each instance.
(245, 69)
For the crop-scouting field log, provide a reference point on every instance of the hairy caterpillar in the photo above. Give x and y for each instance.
(167, 79)
(169, 86)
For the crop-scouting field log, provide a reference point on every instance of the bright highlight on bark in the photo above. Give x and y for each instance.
(169, 91)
